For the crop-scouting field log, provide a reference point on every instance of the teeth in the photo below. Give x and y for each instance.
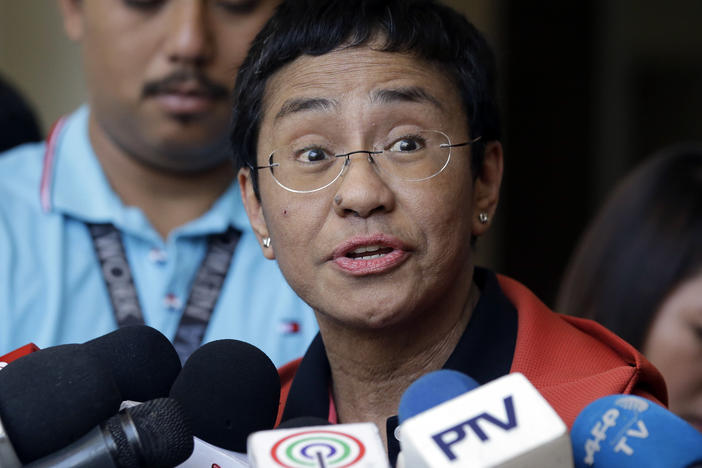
(369, 257)
(368, 248)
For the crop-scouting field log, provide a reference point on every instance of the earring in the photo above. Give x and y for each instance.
(483, 217)
(266, 242)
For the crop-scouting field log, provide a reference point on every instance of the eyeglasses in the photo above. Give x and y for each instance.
(312, 166)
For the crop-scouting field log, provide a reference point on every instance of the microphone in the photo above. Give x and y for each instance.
(51, 397)
(318, 446)
(142, 361)
(151, 434)
(630, 431)
(431, 390)
(228, 389)
(504, 423)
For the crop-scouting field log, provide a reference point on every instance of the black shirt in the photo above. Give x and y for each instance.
(484, 352)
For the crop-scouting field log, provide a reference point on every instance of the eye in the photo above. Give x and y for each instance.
(313, 154)
(241, 7)
(408, 144)
(143, 4)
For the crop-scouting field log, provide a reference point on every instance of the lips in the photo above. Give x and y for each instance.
(367, 255)
(185, 92)
(185, 103)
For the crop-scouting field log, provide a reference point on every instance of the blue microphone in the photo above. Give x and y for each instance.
(629, 431)
(431, 390)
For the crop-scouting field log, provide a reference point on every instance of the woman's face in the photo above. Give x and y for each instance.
(674, 346)
(370, 249)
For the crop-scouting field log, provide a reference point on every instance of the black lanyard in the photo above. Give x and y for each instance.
(204, 292)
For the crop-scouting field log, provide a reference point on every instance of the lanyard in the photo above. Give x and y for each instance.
(204, 291)
(116, 273)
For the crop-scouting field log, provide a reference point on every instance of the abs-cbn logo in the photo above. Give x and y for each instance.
(451, 436)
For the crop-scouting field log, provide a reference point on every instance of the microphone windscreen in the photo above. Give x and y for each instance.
(142, 361)
(228, 390)
(303, 421)
(165, 438)
(431, 390)
(52, 397)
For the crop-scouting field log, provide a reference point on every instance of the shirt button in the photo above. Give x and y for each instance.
(158, 256)
(172, 302)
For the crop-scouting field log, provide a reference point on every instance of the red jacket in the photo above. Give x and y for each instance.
(571, 361)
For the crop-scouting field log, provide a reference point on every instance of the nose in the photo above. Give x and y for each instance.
(190, 39)
(362, 191)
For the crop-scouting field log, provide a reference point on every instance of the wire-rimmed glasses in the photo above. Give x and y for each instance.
(311, 166)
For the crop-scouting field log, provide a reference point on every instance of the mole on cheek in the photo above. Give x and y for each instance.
(285, 212)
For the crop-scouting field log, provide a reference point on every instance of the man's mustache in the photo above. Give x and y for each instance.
(172, 83)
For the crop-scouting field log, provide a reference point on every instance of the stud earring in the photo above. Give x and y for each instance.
(266, 242)
(483, 217)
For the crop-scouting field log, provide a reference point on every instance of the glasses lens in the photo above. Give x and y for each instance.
(415, 156)
(306, 168)
(312, 166)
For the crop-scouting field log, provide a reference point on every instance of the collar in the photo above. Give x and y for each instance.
(484, 352)
(71, 170)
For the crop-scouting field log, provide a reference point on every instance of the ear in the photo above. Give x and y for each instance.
(72, 12)
(254, 210)
(486, 190)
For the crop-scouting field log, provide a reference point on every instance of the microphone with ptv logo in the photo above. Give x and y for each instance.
(629, 431)
(504, 423)
(228, 389)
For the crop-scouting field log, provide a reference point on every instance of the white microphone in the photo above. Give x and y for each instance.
(207, 455)
(505, 423)
(355, 445)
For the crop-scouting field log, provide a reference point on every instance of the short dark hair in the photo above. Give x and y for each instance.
(423, 28)
(18, 124)
(646, 240)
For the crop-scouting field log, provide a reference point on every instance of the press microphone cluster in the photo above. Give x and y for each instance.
(51, 398)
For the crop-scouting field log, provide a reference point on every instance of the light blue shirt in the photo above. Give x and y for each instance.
(51, 288)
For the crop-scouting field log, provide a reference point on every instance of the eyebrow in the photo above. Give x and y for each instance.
(406, 94)
(292, 106)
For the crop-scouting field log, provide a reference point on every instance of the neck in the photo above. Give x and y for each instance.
(167, 199)
(371, 371)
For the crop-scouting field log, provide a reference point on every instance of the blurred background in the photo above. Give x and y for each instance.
(588, 89)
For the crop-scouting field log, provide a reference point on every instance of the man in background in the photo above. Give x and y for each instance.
(127, 214)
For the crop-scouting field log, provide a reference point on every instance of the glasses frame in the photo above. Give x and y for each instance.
(370, 154)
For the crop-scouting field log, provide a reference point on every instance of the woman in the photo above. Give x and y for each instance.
(638, 271)
(367, 141)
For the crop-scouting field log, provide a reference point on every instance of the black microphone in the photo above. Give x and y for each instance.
(228, 389)
(142, 361)
(52, 397)
(155, 433)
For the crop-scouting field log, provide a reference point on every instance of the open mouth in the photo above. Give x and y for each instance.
(369, 252)
(370, 255)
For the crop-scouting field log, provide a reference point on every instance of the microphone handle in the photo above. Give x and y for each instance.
(93, 450)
